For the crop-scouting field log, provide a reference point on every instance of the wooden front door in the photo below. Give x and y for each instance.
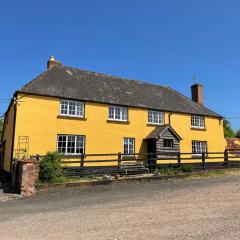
(151, 148)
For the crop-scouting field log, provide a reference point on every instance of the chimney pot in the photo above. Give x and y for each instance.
(197, 93)
(52, 62)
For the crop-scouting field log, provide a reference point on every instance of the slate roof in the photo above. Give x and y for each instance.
(67, 82)
(233, 143)
(159, 130)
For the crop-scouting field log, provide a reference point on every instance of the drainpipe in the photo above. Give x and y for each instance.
(169, 118)
(14, 102)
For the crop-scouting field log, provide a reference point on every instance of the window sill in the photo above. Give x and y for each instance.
(198, 129)
(155, 124)
(72, 117)
(117, 121)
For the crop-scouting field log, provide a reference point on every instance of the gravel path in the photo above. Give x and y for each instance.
(182, 209)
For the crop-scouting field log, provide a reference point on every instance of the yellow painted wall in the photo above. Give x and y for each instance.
(213, 135)
(7, 136)
(38, 117)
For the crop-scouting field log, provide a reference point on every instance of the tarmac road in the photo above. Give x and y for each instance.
(182, 209)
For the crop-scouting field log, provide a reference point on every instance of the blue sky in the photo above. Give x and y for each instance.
(31, 31)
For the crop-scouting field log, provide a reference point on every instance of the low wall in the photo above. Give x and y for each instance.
(25, 175)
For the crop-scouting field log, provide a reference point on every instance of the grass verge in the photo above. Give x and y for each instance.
(64, 179)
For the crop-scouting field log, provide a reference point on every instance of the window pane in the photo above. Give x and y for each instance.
(155, 117)
(71, 108)
(125, 146)
(80, 144)
(124, 113)
(150, 118)
(79, 109)
(62, 144)
(118, 113)
(111, 112)
(199, 147)
(168, 143)
(129, 145)
(197, 121)
(70, 144)
(64, 107)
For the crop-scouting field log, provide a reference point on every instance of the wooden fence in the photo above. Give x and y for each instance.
(230, 157)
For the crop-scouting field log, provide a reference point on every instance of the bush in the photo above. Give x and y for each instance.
(50, 167)
(186, 168)
(168, 171)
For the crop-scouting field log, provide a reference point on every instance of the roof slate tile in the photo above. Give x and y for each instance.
(67, 82)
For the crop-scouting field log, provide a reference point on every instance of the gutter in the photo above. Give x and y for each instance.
(215, 115)
(14, 101)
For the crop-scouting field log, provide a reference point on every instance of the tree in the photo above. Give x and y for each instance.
(1, 127)
(228, 131)
(238, 133)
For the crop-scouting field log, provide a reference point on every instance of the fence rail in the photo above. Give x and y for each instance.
(151, 160)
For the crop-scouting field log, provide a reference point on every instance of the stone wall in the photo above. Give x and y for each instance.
(28, 172)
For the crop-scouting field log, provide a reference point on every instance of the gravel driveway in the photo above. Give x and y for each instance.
(182, 209)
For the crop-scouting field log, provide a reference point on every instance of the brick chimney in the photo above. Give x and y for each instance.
(197, 93)
(52, 62)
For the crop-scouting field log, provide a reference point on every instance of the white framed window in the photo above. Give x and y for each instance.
(71, 108)
(199, 147)
(155, 117)
(197, 122)
(118, 113)
(71, 144)
(129, 146)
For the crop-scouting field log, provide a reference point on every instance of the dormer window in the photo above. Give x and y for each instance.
(197, 122)
(155, 117)
(71, 108)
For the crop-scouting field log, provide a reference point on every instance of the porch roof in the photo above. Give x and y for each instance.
(159, 130)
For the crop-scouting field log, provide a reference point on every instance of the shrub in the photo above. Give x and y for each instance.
(186, 168)
(168, 171)
(50, 167)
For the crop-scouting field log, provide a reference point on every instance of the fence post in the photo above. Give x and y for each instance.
(179, 159)
(82, 163)
(119, 158)
(203, 161)
(225, 159)
(152, 162)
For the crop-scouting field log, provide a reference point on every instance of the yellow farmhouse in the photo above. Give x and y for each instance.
(74, 111)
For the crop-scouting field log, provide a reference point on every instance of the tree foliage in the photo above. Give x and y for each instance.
(228, 131)
(238, 133)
